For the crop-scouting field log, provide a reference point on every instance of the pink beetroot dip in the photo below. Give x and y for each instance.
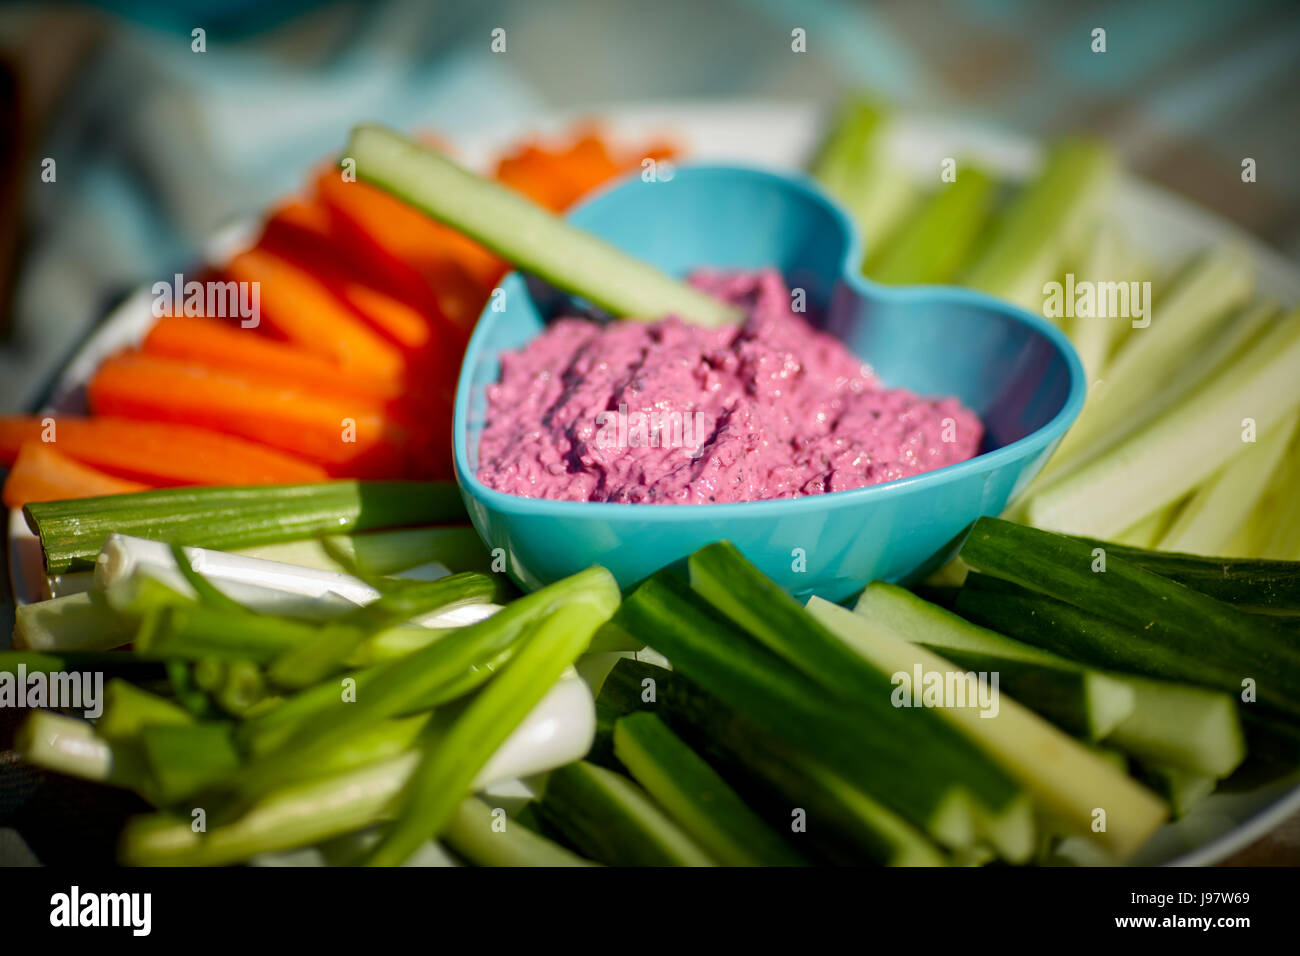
(670, 413)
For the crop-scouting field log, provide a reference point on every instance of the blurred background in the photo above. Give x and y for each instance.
(157, 145)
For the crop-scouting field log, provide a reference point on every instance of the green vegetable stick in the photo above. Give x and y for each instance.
(519, 230)
(1045, 221)
(72, 532)
(931, 246)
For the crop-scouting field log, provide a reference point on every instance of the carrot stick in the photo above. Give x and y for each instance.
(156, 453)
(348, 436)
(226, 346)
(300, 307)
(42, 473)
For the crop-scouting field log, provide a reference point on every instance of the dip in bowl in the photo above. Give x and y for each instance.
(1015, 372)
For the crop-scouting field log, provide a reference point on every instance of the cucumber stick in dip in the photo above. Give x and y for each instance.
(846, 826)
(524, 233)
(695, 796)
(1188, 727)
(608, 818)
(1070, 783)
(722, 575)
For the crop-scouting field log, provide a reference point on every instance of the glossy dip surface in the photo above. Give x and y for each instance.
(671, 413)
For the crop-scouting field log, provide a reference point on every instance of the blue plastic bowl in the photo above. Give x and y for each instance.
(1016, 371)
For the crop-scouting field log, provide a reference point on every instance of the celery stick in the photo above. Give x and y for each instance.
(476, 834)
(1107, 259)
(526, 234)
(931, 246)
(1200, 299)
(1167, 458)
(1221, 505)
(72, 532)
(447, 771)
(1146, 532)
(854, 169)
(76, 622)
(1044, 222)
(378, 553)
(304, 553)
(1276, 525)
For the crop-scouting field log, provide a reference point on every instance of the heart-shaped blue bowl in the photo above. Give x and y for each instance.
(1016, 371)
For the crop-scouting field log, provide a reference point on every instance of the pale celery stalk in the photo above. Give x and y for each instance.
(75, 622)
(1224, 503)
(1147, 532)
(377, 553)
(1047, 220)
(1106, 259)
(305, 553)
(933, 244)
(1199, 301)
(479, 835)
(853, 167)
(1169, 457)
(1278, 518)
(526, 234)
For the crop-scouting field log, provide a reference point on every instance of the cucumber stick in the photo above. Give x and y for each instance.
(1180, 789)
(1253, 583)
(524, 233)
(1069, 782)
(752, 601)
(844, 824)
(695, 796)
(783, 703)
(1188, 727)
(608, 818)
(1156, 626)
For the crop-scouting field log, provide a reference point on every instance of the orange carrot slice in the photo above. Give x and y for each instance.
(349, 436)
(300, 307)
(42, 473)
(223, 345)
(157, 453)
